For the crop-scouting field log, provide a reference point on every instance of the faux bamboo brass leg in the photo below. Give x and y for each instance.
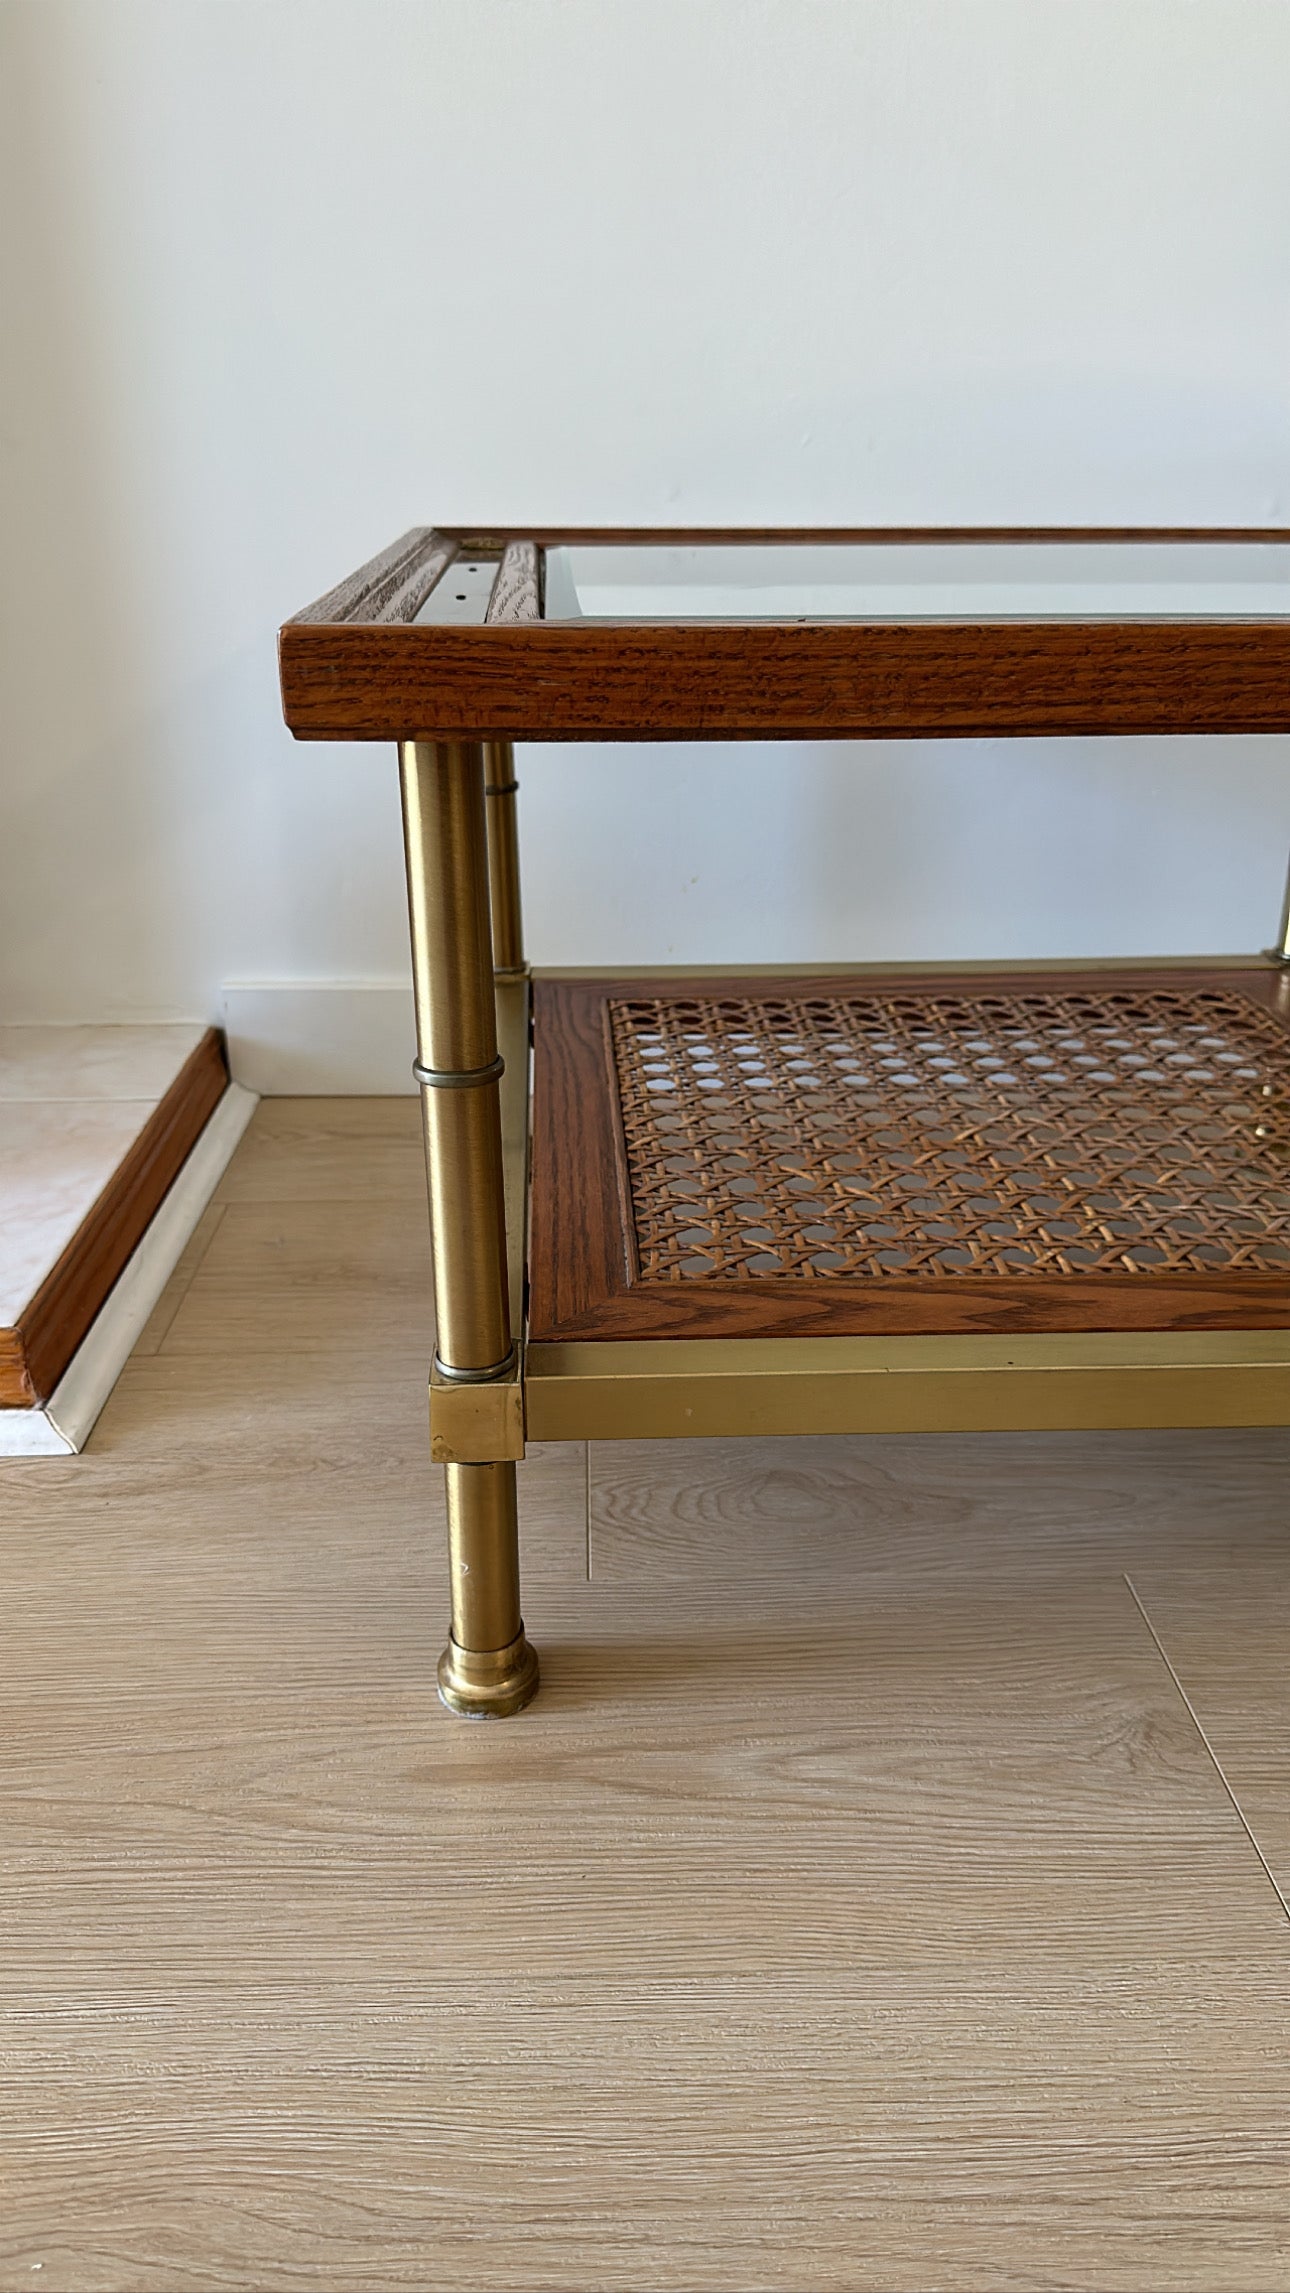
(501, 789)
(488, 1668)
(1281, 948)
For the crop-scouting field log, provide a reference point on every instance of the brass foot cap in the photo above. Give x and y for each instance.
(488, 1684)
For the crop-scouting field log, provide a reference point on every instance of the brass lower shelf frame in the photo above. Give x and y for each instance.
(680, 1388)
(1112, 1381)
(1088, 1381)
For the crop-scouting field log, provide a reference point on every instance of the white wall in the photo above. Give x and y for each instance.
(287, 278)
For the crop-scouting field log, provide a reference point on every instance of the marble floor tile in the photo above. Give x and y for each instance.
(94, 1063)
(73, 1100)
(55, 1160)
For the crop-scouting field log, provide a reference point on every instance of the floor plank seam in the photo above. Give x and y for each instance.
(1215, 1761)
(190, 1275)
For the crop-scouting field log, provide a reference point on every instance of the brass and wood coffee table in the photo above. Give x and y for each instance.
(847, 1200)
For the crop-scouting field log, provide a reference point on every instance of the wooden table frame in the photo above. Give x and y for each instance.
(359, 665)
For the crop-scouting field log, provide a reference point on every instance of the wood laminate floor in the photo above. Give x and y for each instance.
(887, 1891)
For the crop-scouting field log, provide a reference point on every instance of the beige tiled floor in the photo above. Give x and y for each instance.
(72, 1102)
(93, 1063)
(885, 1891)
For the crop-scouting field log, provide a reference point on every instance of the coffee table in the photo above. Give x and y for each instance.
(841, 1200)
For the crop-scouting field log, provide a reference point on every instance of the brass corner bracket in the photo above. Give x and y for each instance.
(480, 1424)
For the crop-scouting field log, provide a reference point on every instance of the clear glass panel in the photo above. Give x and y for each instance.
(913, 581)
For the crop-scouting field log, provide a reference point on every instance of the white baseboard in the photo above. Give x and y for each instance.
(347, 1038)
(67, 1419)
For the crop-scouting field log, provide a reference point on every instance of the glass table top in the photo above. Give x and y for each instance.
(912, 581)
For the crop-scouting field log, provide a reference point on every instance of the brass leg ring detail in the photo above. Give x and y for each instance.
(488, 1684)
(458, 1078)
(488, 1376)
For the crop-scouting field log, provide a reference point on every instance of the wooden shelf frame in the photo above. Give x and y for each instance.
(586, 1281)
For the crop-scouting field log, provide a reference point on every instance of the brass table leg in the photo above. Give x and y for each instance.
(488, 1668)
(501, 788)
(1281, 950)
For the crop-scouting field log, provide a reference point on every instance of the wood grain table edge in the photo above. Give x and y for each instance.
(532, 680)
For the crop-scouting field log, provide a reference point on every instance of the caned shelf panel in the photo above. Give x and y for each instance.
(883, 1155)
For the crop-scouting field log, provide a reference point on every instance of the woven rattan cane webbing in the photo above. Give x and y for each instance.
(1019, 1134)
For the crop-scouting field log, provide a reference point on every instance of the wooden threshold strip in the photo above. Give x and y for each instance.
(36, 1351)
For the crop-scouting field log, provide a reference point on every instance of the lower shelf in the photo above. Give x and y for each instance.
(882, 1154)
